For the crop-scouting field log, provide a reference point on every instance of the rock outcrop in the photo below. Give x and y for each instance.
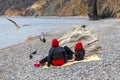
(14, 7)
(89, 39)
(58, 8)
(92, 9)
(43, 7)
(105, 8)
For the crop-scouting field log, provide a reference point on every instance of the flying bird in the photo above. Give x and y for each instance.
(42, 38)
(17, 26)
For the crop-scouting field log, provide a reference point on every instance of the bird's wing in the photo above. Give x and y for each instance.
(26, 25)
(14, 23)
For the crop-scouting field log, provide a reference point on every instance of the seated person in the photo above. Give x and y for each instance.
(56, 56)
(77, 55)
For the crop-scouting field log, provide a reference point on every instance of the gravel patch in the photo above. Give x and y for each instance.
(16, 65)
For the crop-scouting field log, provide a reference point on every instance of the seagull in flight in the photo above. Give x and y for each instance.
(17, 26)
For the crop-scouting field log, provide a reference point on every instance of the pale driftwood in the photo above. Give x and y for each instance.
(89, 39)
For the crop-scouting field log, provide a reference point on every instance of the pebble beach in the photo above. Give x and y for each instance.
(16, 65)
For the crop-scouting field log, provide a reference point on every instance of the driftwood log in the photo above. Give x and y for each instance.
(89, 39)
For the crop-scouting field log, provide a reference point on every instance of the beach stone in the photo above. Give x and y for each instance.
(89, 39)
(29, 38)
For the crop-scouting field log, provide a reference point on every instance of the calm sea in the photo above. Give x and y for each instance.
(31, 26)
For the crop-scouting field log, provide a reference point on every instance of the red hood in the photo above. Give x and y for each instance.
(55, 42)
(78, 46)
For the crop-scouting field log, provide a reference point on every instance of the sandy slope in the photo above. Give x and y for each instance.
(16, 65)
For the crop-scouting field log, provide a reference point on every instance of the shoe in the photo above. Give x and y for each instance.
(37, 64)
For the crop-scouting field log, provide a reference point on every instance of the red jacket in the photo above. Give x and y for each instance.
(56, 56)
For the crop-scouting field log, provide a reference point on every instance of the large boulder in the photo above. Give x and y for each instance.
(89, 39)
(104, 8)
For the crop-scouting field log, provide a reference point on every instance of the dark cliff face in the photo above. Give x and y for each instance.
(14, 7)
(105, 8)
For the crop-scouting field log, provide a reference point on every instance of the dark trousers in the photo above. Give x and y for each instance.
(69, 54)
(43, 60)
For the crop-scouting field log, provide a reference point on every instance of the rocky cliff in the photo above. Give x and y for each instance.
(14, 7)
(105, 8)
(108, 8)
(43, 7)
(58, 8)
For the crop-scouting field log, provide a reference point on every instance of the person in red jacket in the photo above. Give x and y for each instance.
(77, 55)
(56, 56)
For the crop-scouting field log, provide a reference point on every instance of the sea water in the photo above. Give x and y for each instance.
(32, 26)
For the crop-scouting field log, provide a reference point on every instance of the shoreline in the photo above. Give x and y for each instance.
(58, 31)
(44, 16)
(37, 26)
